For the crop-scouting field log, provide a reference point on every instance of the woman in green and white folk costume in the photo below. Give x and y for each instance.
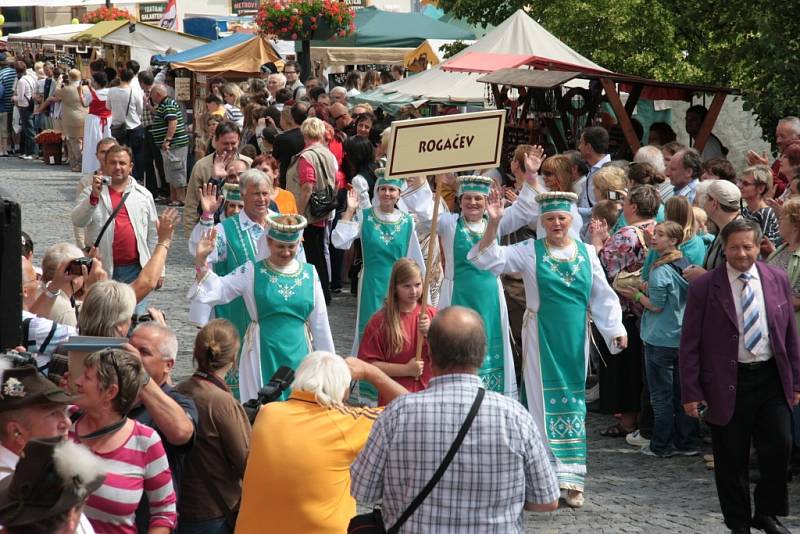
(466, 285)
(564, 285)
(387, 234)
(283, 298)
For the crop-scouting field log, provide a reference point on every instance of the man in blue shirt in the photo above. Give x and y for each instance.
(8, 75)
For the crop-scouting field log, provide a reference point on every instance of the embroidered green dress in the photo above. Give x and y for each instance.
(240, 248)
(477, 289)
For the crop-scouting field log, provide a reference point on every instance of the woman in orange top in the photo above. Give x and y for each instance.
(283, 199)
(390, 337)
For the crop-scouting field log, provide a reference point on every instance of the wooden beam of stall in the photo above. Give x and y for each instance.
(621, 113)
(708, 122)
(633, 99)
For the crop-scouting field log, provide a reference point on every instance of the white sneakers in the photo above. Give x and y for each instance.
(635, 439)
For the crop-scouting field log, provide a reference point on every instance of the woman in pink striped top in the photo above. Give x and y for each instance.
(107, 389)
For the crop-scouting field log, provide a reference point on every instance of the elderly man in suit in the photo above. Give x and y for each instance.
(739, 361)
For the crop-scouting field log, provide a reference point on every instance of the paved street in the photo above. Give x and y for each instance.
(626, 492)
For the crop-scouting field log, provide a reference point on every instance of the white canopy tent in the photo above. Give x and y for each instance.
(60, 33)
(519, 34)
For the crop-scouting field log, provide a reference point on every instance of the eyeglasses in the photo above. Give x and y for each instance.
(746, 184)
(290, 72)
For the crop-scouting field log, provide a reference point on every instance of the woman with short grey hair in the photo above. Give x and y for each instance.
(62, 310)
(107, 310)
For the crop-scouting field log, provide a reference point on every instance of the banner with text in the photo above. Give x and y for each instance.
(243, 8)
(152, 12)
(469, 141)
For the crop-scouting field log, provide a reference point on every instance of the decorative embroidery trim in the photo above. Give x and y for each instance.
(286, 289)
(386, 230)
(572, 265)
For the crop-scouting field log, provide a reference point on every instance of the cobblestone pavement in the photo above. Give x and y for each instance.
(625, 491)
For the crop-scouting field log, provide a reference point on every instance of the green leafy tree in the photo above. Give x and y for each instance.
(451, 49)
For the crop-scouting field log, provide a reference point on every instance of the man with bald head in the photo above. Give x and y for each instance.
(341, 119)
(787, 130)
(170, 135)
(502, 466)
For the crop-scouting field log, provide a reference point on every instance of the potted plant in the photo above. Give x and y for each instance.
(306, 20)
(106, 13)
(51, 142)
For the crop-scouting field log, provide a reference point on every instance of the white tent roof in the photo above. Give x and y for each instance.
(148, 41)
(50, 33)
(519, 34)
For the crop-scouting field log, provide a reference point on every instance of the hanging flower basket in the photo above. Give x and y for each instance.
(106, 13)
(306, 20)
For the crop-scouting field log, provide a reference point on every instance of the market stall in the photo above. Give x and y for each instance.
(122, 40)
(382, 39)
(53, 43)
(236, 57)
(428, 54)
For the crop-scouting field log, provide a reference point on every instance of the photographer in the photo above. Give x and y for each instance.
(297, 474)
(130, 237)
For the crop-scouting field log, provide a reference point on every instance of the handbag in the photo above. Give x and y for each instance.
(372, 522)
(120, 132)
(631, 279)
(322, 201)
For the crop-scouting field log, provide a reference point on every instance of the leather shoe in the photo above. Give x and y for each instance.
(769, 524)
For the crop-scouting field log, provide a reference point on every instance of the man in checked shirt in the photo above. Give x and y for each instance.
(501, 468)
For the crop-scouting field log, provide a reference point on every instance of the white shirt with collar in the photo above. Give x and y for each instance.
(251, 229)
(586, 199)
(762, 351)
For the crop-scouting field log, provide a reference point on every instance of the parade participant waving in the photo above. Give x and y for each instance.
(237, 242)
(564, 283)
(387, 234)
(466, 285)
(390, 338)
(281, 295)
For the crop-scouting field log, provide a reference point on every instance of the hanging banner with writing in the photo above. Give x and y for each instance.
(469, 141)
(152, 12)
(243, 8)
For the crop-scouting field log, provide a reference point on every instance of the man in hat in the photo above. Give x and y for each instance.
(47, 491)
(722, 206)
(31, 407)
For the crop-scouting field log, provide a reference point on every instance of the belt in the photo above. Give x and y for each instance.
(756, 366)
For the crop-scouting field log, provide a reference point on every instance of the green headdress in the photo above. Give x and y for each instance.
(231, 193)
(384, 181)
(286, 233)
(475, 184)
(556, 201)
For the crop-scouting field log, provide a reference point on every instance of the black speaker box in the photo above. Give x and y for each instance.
(10, 273)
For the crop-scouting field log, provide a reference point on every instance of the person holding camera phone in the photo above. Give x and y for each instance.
(120, 218)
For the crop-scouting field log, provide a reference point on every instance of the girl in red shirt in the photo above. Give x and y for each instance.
(390, 337)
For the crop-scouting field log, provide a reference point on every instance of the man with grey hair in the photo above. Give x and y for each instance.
(171, 136)
(173, 415)
(502, 468)
(787, 130)
(338, 95)
(239, 240)
(651, 154)
(309, 441)
(684, 171)
(63, 310)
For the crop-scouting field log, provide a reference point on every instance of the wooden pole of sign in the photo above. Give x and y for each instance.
(432, 244)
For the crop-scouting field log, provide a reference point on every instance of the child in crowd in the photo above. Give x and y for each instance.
(606, 210)
(701, 226)
(390, 337)
(674, 432)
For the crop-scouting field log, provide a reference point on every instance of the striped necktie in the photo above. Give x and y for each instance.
(750, 315)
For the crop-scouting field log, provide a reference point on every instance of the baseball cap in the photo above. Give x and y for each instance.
(726, 193)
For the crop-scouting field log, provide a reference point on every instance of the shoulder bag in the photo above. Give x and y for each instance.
(120, 131)
(372, 523)
(323, 200)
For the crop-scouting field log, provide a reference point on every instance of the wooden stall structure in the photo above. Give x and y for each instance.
(556, 100)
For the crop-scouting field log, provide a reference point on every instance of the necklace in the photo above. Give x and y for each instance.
(286, 289)
(386, 230)
(566, 269)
